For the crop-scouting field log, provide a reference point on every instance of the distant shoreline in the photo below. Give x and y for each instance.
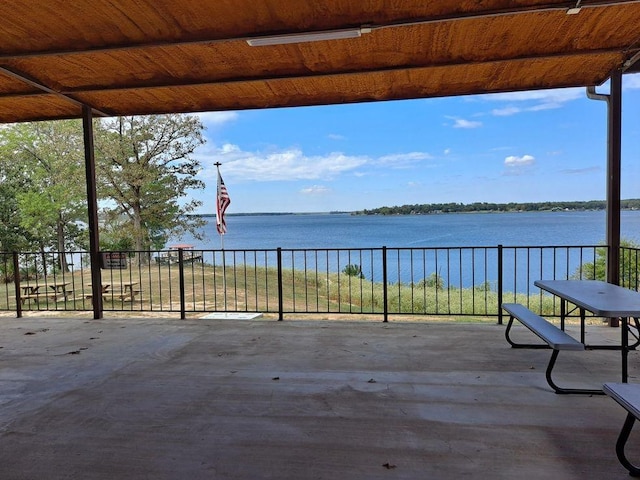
(266, 214)
(486, 207)
(445, 208)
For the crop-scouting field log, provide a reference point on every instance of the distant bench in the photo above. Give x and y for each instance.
(121, 295)
(127, 294)
(628, 396)
(553, 337)
(37, 296)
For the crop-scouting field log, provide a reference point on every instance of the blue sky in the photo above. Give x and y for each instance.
(546, 145)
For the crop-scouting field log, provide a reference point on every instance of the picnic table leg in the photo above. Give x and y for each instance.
(622, 441)
(565, 391)
(625, 348)
(520, 345)
(636, 324)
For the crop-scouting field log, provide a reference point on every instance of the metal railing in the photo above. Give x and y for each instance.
(438, 281)
(629, 267)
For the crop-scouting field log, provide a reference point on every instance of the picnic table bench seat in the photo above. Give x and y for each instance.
(122, 295)
(127, 294)
(53, 296)
(554, 338)
(628, 396)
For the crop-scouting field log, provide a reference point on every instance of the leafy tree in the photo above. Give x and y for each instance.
(146, 168)
(597, 270)
(13, 237)
(631, 204)
(50, 199)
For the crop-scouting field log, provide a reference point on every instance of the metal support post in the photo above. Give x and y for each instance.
(183, 309)
(385, 287)
(92, 206)
(280, 288)
(500, 284)
(614, 142)
(16, 281)
(614, 150)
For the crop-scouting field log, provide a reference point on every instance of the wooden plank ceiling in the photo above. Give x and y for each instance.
(159, 56)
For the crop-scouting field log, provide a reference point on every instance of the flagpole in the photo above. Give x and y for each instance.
(221, 231)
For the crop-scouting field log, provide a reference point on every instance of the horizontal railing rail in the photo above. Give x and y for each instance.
(433, 281)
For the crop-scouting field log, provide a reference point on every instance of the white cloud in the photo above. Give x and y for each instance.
(402, 160)
(580, 171)
(447, 151)
(513, 161)
(230, 149)
(544, 106)
(505, 112)
(289, 164)
(631, 81)
(462, 123)
(215, 119)
(292, 164)
(315, 190)
(559, 95)
(533, 101)
(336, 136)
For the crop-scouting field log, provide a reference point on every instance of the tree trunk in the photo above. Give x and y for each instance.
(62, 257)
(139, 236)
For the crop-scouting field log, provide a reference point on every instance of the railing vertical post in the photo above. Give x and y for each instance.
(183, 310)
(280, 299)
(500, 280)
(385, 302)
(16, 281)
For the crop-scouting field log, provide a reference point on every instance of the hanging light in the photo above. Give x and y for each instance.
(308, 37)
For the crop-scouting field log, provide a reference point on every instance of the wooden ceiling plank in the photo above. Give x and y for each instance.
(373, 69)
(428, 83)
(156, 57)
(517, 9)
(193, 65)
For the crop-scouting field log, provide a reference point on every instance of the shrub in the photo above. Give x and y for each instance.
(432, 281)
(353, 270)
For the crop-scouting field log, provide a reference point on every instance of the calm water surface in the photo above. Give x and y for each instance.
(324, 231)
(475, 229)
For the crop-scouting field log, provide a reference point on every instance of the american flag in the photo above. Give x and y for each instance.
(222, 202)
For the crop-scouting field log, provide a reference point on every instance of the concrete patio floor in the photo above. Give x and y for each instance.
(234, 399)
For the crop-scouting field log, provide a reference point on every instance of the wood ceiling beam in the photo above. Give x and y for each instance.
(40, 86)
(632, 65)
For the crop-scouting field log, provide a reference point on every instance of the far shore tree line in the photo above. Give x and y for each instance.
(144, 167)
(434, 208)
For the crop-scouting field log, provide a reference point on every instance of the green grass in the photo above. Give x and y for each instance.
(248, 288)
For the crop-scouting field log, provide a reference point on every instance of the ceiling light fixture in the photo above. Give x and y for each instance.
(575, 10)
(308, 37)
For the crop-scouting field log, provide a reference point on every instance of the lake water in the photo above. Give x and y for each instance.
(460, 268)
(444, 230)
